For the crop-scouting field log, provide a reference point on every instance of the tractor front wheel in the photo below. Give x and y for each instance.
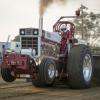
(46, 73)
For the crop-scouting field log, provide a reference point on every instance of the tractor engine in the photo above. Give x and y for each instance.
(37, 46)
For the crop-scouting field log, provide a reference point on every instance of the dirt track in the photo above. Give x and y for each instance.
(25, 91)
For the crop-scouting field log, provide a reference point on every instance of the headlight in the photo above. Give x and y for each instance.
(22, 32)
(35, 32)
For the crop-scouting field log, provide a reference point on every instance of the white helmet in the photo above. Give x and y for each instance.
(63, 28)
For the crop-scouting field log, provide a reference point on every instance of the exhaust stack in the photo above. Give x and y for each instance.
(40, 25)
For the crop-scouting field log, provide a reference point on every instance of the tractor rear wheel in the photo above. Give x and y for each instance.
(46, 73)
(6, 75)
(80, 67)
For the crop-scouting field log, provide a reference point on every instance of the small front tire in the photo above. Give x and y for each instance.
(6, 75)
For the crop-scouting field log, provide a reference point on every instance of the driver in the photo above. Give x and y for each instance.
(65, 30)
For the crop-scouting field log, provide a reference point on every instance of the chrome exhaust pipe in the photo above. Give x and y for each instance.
(40, 25)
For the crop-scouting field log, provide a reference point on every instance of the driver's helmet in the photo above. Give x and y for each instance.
(63, 28)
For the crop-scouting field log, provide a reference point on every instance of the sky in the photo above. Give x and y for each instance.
(16, 14)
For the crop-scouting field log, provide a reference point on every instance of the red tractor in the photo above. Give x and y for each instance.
(46, 56)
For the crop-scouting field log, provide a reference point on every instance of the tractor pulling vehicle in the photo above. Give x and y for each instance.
(46, 56)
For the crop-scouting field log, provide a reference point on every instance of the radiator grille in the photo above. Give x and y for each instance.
(30, 42)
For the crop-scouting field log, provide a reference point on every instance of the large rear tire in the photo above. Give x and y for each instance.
(46, 73)
(6, 75)
(80, 67)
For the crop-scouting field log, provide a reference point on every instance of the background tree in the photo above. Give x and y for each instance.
(88, 24)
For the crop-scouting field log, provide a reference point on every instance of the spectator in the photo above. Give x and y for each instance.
(0, 58)
(3, 49)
